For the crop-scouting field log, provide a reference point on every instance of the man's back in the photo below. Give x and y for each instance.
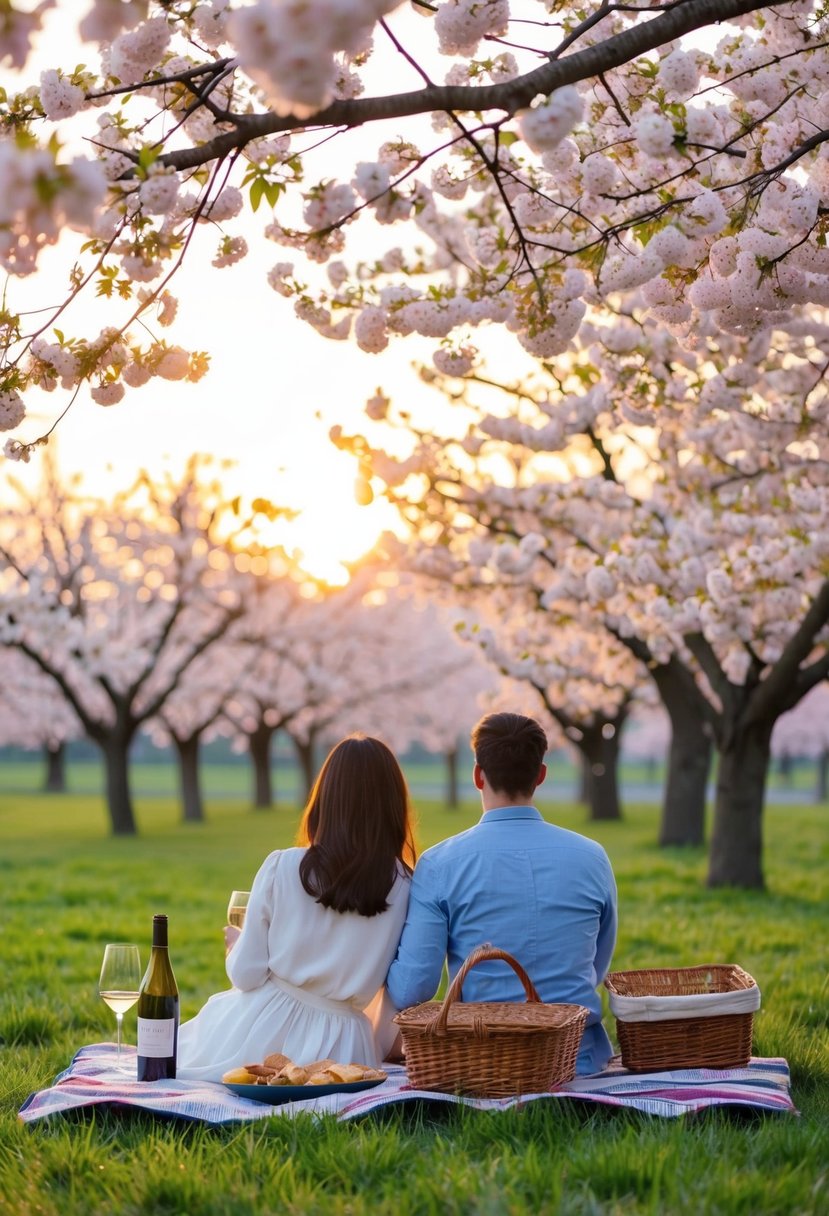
(544, 894)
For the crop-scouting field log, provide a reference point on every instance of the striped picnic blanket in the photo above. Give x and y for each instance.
(97, 1076)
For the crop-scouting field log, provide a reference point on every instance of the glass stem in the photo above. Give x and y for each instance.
(119, 1017)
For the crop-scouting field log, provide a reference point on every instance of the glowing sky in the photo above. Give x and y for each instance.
(273, 391)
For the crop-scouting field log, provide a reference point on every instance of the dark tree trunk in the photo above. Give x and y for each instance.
(600, 750)
(785, 767)
(736, 853)
(305, 756)
(55, 757)
(119, 799)
(189, 780)
(822, 776)
(682, 819)
(452, 794)
(584, 779)
(259, 746)
(689, 765)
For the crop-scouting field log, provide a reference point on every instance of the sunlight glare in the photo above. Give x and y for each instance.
(331, 527)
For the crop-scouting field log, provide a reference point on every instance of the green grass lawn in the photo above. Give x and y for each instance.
(68, 888)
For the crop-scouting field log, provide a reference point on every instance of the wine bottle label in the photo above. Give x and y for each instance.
(156, 1037)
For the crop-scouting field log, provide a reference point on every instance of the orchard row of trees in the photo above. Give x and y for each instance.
(158, 611)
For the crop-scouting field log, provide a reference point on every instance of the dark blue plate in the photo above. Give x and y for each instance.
(276, 1095)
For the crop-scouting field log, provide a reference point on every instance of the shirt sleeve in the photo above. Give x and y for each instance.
(415, 973)
(608, 924)
(247, 963)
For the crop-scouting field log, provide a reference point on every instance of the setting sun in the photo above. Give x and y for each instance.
(330, 527)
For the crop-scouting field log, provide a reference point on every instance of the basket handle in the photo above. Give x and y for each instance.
(480, 955)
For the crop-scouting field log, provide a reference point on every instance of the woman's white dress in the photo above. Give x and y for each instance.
(303, 976)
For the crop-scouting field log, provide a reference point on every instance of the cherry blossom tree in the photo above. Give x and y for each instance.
(552, 435)
(439, 717)
(192, 714)
(536, 159)
(418, 683)
(804, 732)
(560, 433)
(362, 657)
(681, 514)
(114, 602)
(35, 714)
(648, 737)
(277, 680)
(584, 680)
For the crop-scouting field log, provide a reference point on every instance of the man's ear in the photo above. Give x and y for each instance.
(478, 777)
(542, 775)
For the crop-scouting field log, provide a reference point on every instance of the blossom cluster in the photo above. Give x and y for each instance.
(705, 525)
(686, 186)
(39, 198)
(290, 47)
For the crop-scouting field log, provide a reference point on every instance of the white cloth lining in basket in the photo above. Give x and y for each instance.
(700, 1005)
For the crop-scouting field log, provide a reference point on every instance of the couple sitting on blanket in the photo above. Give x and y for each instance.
(342, 932)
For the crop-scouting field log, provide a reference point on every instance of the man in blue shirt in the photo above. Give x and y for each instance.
(545, 895)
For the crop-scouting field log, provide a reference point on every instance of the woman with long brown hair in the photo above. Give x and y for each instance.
(321, 928)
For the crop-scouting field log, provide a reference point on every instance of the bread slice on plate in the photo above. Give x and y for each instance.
(276, 1061)
(239, 1076)
(294, 1075)
(318, 1066)
(347, 1073)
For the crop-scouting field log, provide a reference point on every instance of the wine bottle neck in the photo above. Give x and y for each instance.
(160, 933)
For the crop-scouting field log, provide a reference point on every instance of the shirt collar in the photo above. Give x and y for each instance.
(499, 813)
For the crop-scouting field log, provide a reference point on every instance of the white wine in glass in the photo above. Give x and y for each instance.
(237, 907)
(119, 980)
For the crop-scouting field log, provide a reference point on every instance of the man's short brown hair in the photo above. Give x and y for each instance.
(510, 750)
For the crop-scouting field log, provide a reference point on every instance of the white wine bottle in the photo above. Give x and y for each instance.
(158, 1011)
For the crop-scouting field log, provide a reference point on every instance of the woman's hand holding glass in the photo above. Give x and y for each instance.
(236, 909)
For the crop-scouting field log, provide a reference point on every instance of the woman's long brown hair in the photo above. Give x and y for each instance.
(357, 825)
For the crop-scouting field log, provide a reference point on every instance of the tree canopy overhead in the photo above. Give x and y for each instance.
(564, 159)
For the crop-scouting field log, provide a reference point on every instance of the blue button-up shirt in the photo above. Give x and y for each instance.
(545, 895)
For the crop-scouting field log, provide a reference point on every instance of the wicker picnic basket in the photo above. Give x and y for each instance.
(684, 1017)
(491, 1049)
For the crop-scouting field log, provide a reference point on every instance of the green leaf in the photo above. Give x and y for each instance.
(256, 192)
(147, 156)
(273, 191)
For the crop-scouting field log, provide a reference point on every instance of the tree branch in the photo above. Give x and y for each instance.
(207, 641)
(508, 96)
(703, 652)
(90, 725)
(772, 693)
(807, 679)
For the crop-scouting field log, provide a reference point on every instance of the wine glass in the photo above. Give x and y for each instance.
(236, 908)
(119, 980)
